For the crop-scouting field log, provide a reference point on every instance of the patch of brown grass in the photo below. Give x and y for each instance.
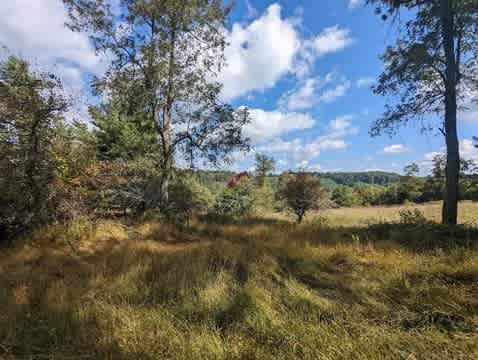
(264, 288)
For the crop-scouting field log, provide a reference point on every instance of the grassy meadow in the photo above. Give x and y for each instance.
(343, 285)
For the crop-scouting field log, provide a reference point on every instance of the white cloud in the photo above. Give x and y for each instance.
(341, 123)
(365, 82)
(330, 95)
(307, 95)
(302, 98)
(267, 124)
(330, 40)
(36, 30)
(431, 155)
(259, 54)
(468, 150)
(297, 150)
(396, 149)
(353, 4)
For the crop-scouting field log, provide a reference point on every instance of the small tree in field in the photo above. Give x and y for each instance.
(264, 166)
(300, 192)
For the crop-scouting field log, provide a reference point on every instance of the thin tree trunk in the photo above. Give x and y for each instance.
(167, 160)
(168, 151)
(450, 203)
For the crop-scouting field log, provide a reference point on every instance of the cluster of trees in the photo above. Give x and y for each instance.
(410, 188)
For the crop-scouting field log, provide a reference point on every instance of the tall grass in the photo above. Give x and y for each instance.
(260, 289)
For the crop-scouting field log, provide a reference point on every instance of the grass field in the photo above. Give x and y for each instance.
(264, 288)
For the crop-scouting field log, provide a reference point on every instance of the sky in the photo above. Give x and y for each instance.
(304, 69)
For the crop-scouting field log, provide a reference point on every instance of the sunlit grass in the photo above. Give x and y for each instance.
(262, 288)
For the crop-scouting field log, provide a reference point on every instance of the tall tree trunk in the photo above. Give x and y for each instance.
(450, 203)
(167, 158)
(168, 151)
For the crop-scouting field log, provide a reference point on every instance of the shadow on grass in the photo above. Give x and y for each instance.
(45, 297)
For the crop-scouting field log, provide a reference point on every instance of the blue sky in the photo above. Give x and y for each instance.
(303, 68)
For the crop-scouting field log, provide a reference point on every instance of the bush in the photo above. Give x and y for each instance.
(264, 197)
(412, 217)
(345, 196)
(235, 201)
(186, 196)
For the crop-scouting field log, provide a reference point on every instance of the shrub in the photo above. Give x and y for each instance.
(412, 217)
(301, 193)
(186, 196)
(235, 201)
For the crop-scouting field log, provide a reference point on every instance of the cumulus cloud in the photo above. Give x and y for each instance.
(259, 54)
(395, 149)
(304, 97)
(262, 52)
(468, 150)
(267, 124)
(330, 40)
(298, 150)
(311, 91)
(36, 30)
(332, 94)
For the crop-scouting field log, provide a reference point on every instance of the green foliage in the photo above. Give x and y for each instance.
(186, 197)
(300, 192)
(264, 166)
(31, 108)
(164, 73)
(264, 197)
(122, 136)
(412, 217)
(369, 177)
(345, 196)
(235, 202)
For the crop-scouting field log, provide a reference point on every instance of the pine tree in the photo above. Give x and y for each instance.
(432, 67)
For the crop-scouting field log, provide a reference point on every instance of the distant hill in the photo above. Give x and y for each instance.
(366, 177)
(329, 179)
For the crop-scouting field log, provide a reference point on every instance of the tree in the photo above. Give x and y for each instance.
(301, 192)
(166, 57)
(435, 185)
(411, 187)
(236, 200)
(123, 136)
(31, 108)
(345, 196)
(433, 67)
(411, 170)
(264, 166)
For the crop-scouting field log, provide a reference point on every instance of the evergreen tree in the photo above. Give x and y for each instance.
(166, 57)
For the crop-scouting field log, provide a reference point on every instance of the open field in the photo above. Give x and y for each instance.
(360, 216)
(261, 289)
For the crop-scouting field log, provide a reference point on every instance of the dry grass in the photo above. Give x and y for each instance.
(261, 289)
